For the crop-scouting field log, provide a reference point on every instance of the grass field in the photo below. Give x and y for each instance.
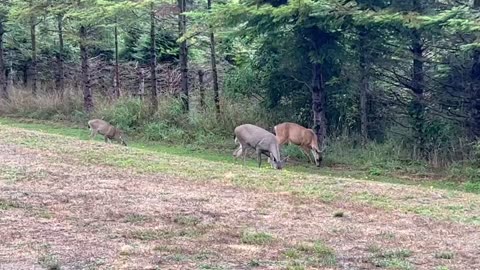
(69, 203)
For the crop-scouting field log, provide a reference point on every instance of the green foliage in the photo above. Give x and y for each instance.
(127, 113)
(473, 186)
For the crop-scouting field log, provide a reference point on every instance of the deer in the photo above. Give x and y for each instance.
(263, 142)
(306, 139)
(98, 126)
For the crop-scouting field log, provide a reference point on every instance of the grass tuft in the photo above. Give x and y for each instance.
(392, 259)
(187, 220)
(313, 254)
(447, 255)
(50, 262)
(256, 238)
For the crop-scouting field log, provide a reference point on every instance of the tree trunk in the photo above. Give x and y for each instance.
(183, 53)
(60, 81)
(201, 88)
(213, 61)
(87, 91)
(25, 75)
(141, 83)
(417, 105)
(318, 104)
(3, 79)
(474, 102)
(364, 85)
(33, 66)
(153, 61)
(117, 73)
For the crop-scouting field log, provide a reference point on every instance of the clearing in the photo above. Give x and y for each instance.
(67, 203)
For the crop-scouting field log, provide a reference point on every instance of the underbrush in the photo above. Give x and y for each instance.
(168, 124)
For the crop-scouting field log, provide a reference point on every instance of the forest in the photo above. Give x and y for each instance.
(387, 85)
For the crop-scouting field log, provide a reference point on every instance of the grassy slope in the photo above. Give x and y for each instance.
(75, 131)
(209, 166)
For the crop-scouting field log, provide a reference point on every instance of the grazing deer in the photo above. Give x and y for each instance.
(292, 133)
(264, 142)
(108, 131)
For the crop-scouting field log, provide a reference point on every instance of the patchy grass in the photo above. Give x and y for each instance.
(12, 175)
(387, 235)
(8, 204)
(149, 234)
(391, 259)
(129, 209)
(158, 234)
(211, 267)
(49, 262)
(354, 171)
(168, 249)
(136, 218)
(447, 255)
(310, 254)
(374, 199)
(187, 220)
(43, 213)
(256, 238)
(299, 182)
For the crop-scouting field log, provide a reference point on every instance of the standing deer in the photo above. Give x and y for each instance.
(292, 133)
(108, 131)
(264, 142)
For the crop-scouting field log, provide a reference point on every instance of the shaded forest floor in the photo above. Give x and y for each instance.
(76, 204)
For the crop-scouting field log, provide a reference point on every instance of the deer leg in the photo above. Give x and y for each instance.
(244, 152)
(93, 133)
(305, 151)
(259, 156)
(236, 152)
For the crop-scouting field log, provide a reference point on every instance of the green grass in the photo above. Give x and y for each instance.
(149, 234)
(391, 259)
(256, 238)
(6, 204)
(136, 218)
(187, 220)
(225, 156)
(12, 175)
(310, 254)
(211, 166)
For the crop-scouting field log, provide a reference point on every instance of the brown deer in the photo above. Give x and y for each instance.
(264, 142)
(292, 133)
(108, 131)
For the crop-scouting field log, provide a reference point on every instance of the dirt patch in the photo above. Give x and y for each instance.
(82, 216)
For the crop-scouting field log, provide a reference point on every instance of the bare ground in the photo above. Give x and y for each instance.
(55, 211)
